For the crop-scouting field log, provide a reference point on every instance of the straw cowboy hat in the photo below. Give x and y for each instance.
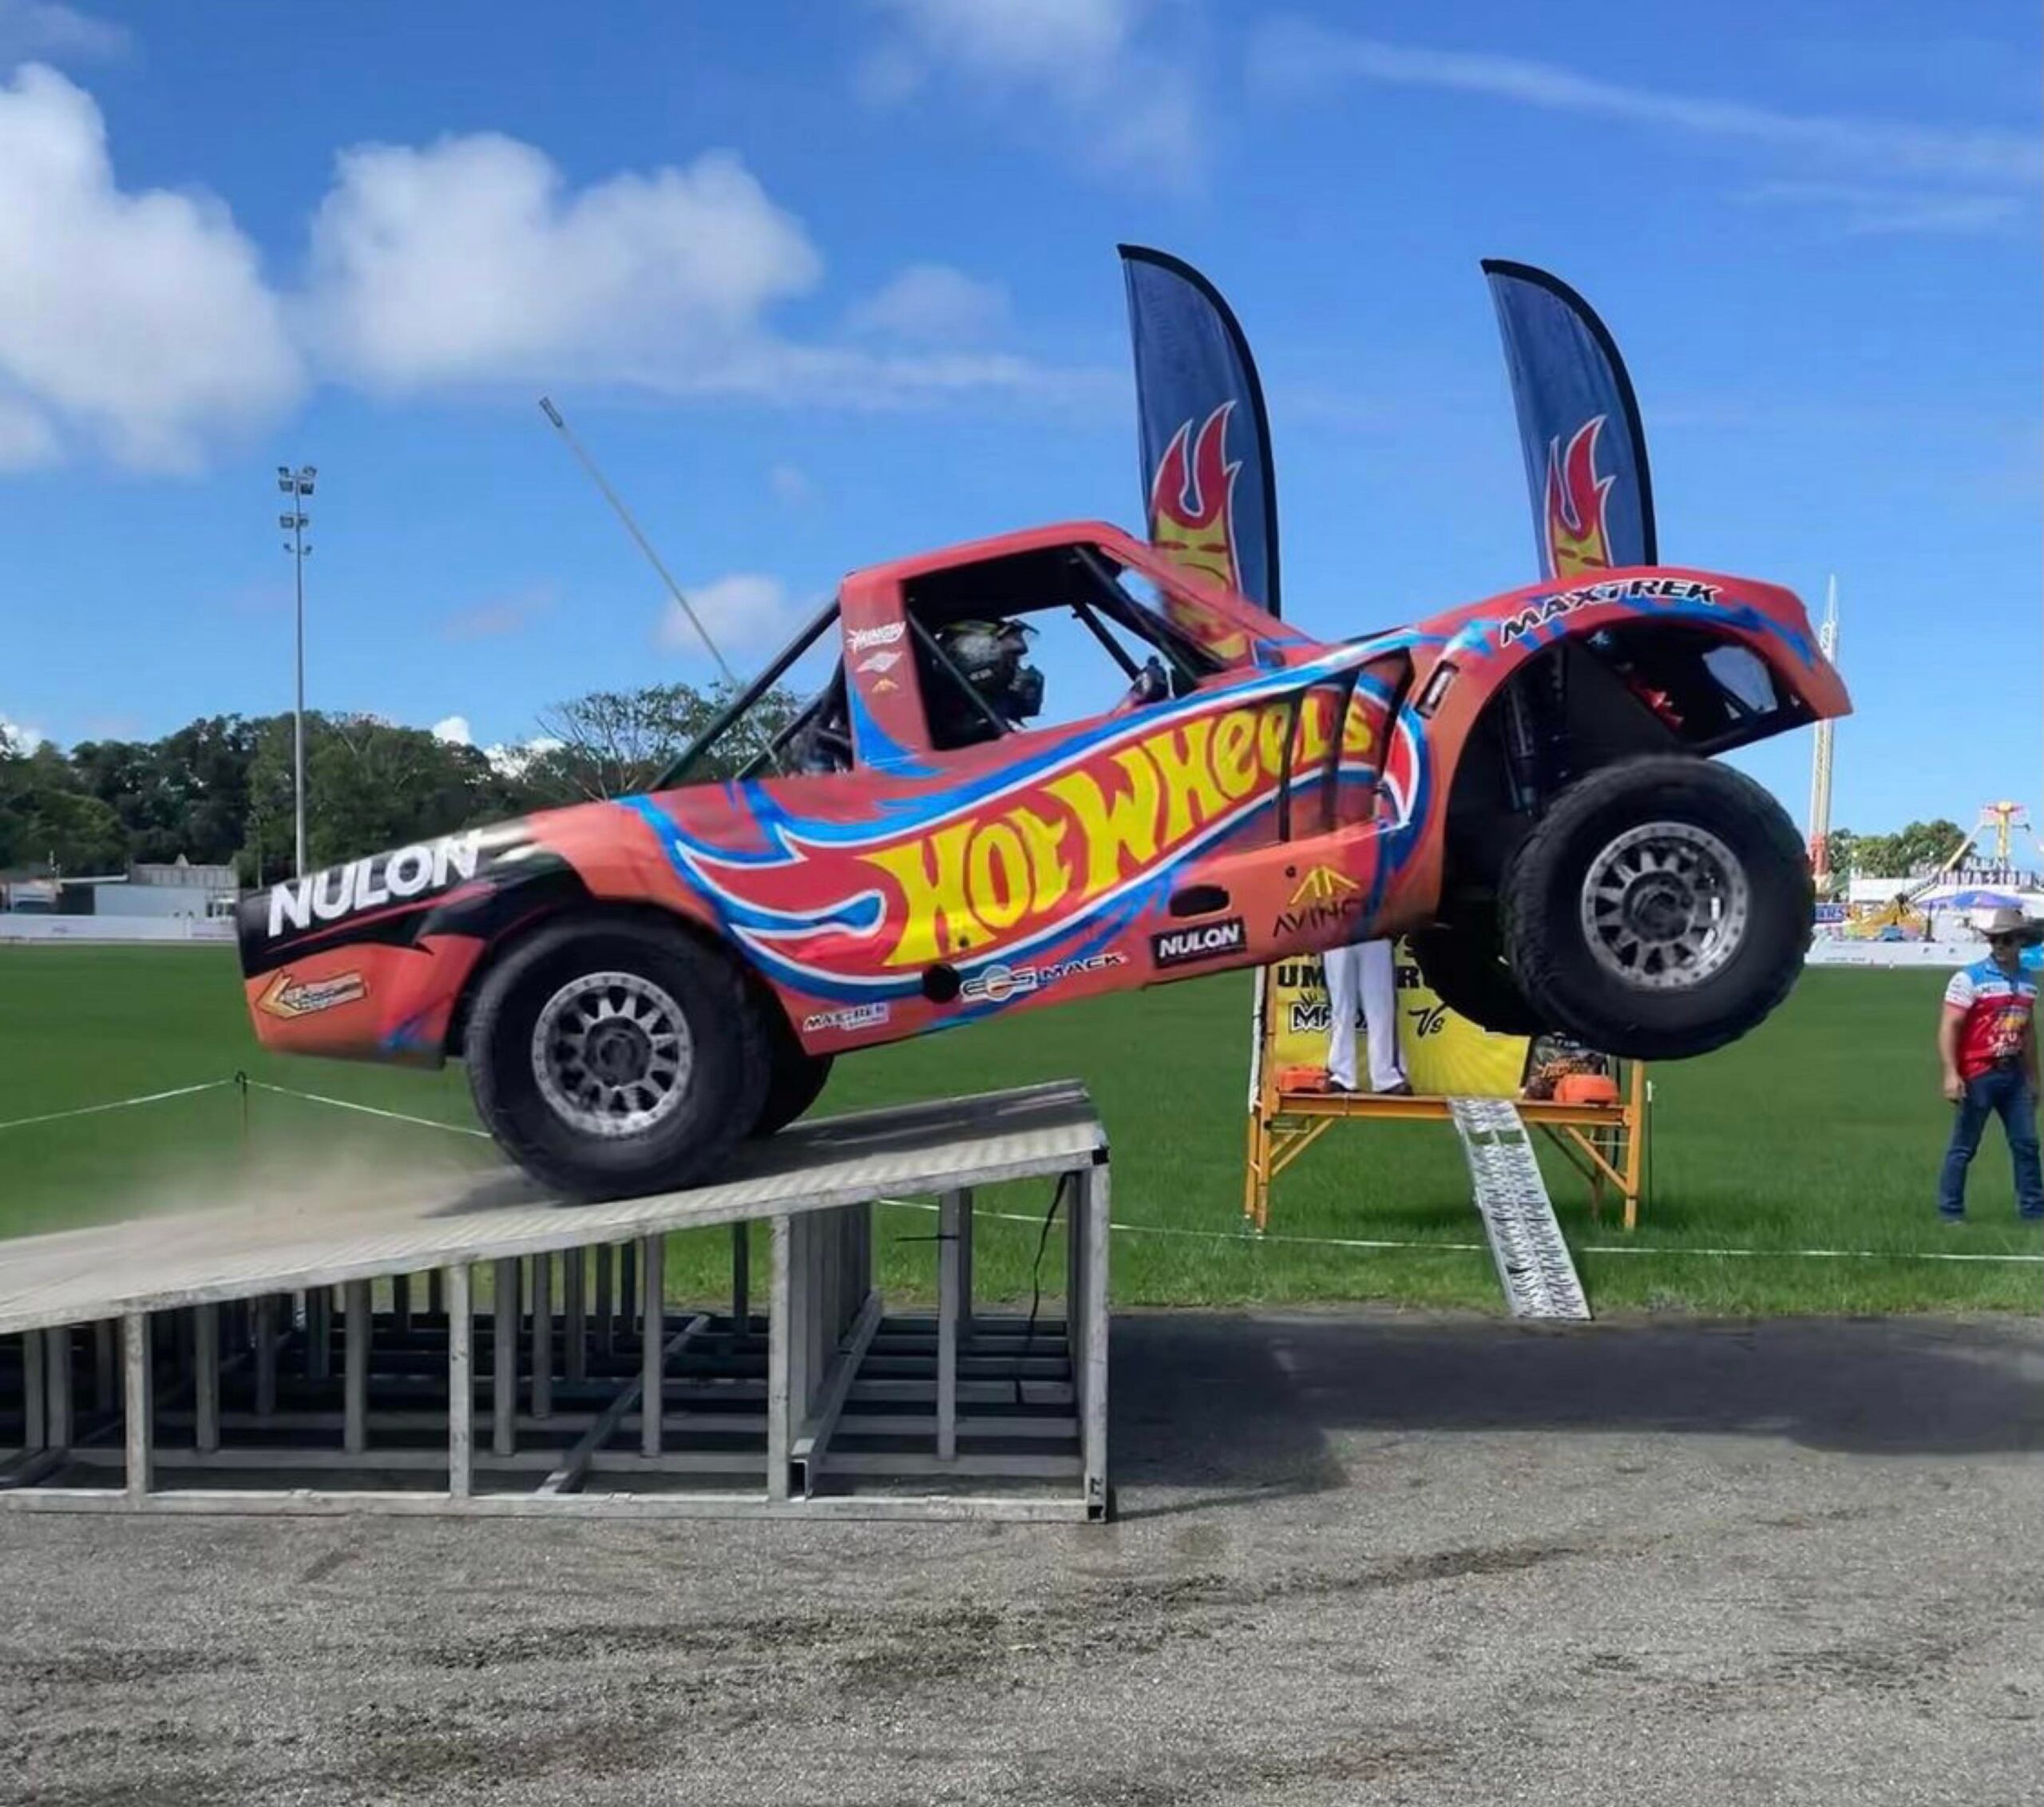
(2011, 922)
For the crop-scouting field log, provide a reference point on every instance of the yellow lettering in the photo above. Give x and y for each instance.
(1050, 877)
(1191, 794)
(1124, 824)
(998, 871)
(1357, 733)
(1234, 753)
(1270, 728)
(937, 919)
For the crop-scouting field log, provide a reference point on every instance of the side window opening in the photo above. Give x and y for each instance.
(1037, 640)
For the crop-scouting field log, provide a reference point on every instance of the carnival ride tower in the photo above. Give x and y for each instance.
(1820, 824)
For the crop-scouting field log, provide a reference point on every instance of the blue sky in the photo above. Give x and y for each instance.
(822, 285)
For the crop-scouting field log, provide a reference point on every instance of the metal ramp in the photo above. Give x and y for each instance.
(497, 1353)
(1533, 1262)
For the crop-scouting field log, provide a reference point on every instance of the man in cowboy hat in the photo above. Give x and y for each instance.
(1987, 1040)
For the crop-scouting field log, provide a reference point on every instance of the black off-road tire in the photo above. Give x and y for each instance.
(720, 1097)
(1549, 950)
(795, 1082)
(1462, 959)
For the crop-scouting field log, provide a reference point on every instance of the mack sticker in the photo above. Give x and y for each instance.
(861, 639)
(998, 983)
(878, 662)
(852, 1016)
(1210, 940)
(367, 884)
(287, 997)
(1539, 615)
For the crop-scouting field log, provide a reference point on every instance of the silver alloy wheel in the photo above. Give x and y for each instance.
(1665, 905)
(612, 1054)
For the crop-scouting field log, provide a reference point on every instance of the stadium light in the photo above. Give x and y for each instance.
(298, 485)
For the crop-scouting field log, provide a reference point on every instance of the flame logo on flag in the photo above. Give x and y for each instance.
(1577, 537)
(1192, 522)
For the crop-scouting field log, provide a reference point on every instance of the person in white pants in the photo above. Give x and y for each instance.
(1363, 974)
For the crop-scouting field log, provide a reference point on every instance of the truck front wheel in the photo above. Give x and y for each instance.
(1660, 910)
(611, 1058)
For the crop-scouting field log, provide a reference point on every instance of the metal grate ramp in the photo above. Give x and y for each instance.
(1533, 1261)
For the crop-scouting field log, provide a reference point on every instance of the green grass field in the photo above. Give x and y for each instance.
(1822, 1131)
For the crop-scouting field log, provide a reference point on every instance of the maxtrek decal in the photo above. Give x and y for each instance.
(1012, 865)
(1549, 609)
(1546, 619)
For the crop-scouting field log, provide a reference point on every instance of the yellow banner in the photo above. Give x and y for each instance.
(1444, 1055)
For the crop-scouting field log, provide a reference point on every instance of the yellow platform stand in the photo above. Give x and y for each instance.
(1445, 1055)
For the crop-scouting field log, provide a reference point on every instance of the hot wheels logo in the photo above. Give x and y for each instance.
(1009, 871)
(1577, 539)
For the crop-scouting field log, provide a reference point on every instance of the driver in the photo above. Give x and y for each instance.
(990, 657)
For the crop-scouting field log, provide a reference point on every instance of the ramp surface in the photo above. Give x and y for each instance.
(1533, 1263)
(149, 1264)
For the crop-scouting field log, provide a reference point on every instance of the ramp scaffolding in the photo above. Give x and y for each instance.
(492, 1354)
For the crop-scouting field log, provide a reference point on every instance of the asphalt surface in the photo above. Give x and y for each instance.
(1360, 1555)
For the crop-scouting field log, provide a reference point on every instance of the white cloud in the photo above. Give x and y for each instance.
(139, 323)
(42, 28)
(454, 729)
(511, 757)
(1293, 55)
(741, 612)
(21, 737)
(1860, 210)
(26, 438)
(791, 485)
(934, 304)
(471, 260)
(1093, 75)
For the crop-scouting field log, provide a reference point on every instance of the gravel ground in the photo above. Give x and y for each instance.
(1417, 1559)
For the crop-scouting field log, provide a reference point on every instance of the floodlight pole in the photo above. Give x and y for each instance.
(298, 485)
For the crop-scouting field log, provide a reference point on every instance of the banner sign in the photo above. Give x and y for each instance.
(1210, 496)
(1444, 1055)
(1578, 425)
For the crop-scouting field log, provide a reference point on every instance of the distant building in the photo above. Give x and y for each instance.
(179, 888)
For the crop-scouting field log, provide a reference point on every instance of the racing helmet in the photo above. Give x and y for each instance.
(991, 657)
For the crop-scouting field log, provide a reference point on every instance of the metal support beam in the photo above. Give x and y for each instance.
(575, 1464)
(652, 1361)
(780, 1428)
(35, 1392)
(355, 1355)
(741, 1278)
(574, 1283)
(319, 1331)
(542, 1336)
(1089, 1372)
(810, 1449)
(266, 1355)
(57, 1373)
(206, 1378)
(134, 1362)
(106, 1367)
(503, 1389)
(460, 1383)
(400, 1304)
(606, 1305)
(953, 1208)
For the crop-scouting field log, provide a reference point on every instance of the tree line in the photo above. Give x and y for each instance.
(1919, 847)
(219, 791)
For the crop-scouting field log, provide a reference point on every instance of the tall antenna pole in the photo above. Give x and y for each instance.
(645, 545)
(1820, 753)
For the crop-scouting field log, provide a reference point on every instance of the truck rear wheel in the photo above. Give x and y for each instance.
(1660, 910)
(615, 1058)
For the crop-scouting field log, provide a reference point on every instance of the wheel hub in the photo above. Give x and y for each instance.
(612, 1054)
(1665, 905)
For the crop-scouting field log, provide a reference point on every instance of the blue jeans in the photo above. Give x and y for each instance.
(2004, 1092)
